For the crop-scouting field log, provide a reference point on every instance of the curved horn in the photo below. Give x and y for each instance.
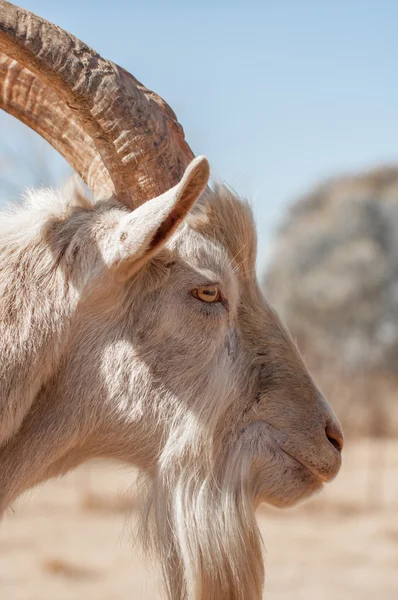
(119, 136)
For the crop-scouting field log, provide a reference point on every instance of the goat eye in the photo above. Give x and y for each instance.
(207, 293)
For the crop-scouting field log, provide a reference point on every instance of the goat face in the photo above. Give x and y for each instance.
(187, 356)
(193, 378)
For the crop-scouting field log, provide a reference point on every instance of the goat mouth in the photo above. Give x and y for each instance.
(321, 479)
(320, 475)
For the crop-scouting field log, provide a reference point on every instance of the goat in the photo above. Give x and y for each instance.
(132, 326)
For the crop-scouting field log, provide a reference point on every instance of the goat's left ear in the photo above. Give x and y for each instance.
(142, 233)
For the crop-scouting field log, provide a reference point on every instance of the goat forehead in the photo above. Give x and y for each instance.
(227, 220)
(202, 252)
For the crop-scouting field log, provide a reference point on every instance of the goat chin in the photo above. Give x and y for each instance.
(199, 515)
(202, 528)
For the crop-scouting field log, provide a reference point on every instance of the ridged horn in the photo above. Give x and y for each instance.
(120, 137)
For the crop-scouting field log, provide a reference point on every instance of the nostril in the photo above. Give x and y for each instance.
(334, 436)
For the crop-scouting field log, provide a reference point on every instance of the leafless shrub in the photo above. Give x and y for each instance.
(334, 278)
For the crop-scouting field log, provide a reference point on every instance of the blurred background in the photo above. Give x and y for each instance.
(295, 105)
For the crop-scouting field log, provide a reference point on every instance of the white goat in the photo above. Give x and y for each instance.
(141, 334)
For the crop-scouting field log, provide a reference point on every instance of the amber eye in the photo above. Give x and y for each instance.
(207, 293)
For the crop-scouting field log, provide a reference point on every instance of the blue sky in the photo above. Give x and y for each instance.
(278, 94)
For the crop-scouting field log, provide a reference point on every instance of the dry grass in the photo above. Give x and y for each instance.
(62, 568)
(94, 502)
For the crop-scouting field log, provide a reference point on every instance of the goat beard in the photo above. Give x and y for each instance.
(198, 520)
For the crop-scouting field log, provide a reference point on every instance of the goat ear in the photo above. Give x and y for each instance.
(142, 233)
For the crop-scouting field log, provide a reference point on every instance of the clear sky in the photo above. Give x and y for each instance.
(277, 93)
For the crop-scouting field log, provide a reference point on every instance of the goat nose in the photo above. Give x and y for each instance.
(334, 435)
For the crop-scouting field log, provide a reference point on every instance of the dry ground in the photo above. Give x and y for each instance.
(71, 540)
